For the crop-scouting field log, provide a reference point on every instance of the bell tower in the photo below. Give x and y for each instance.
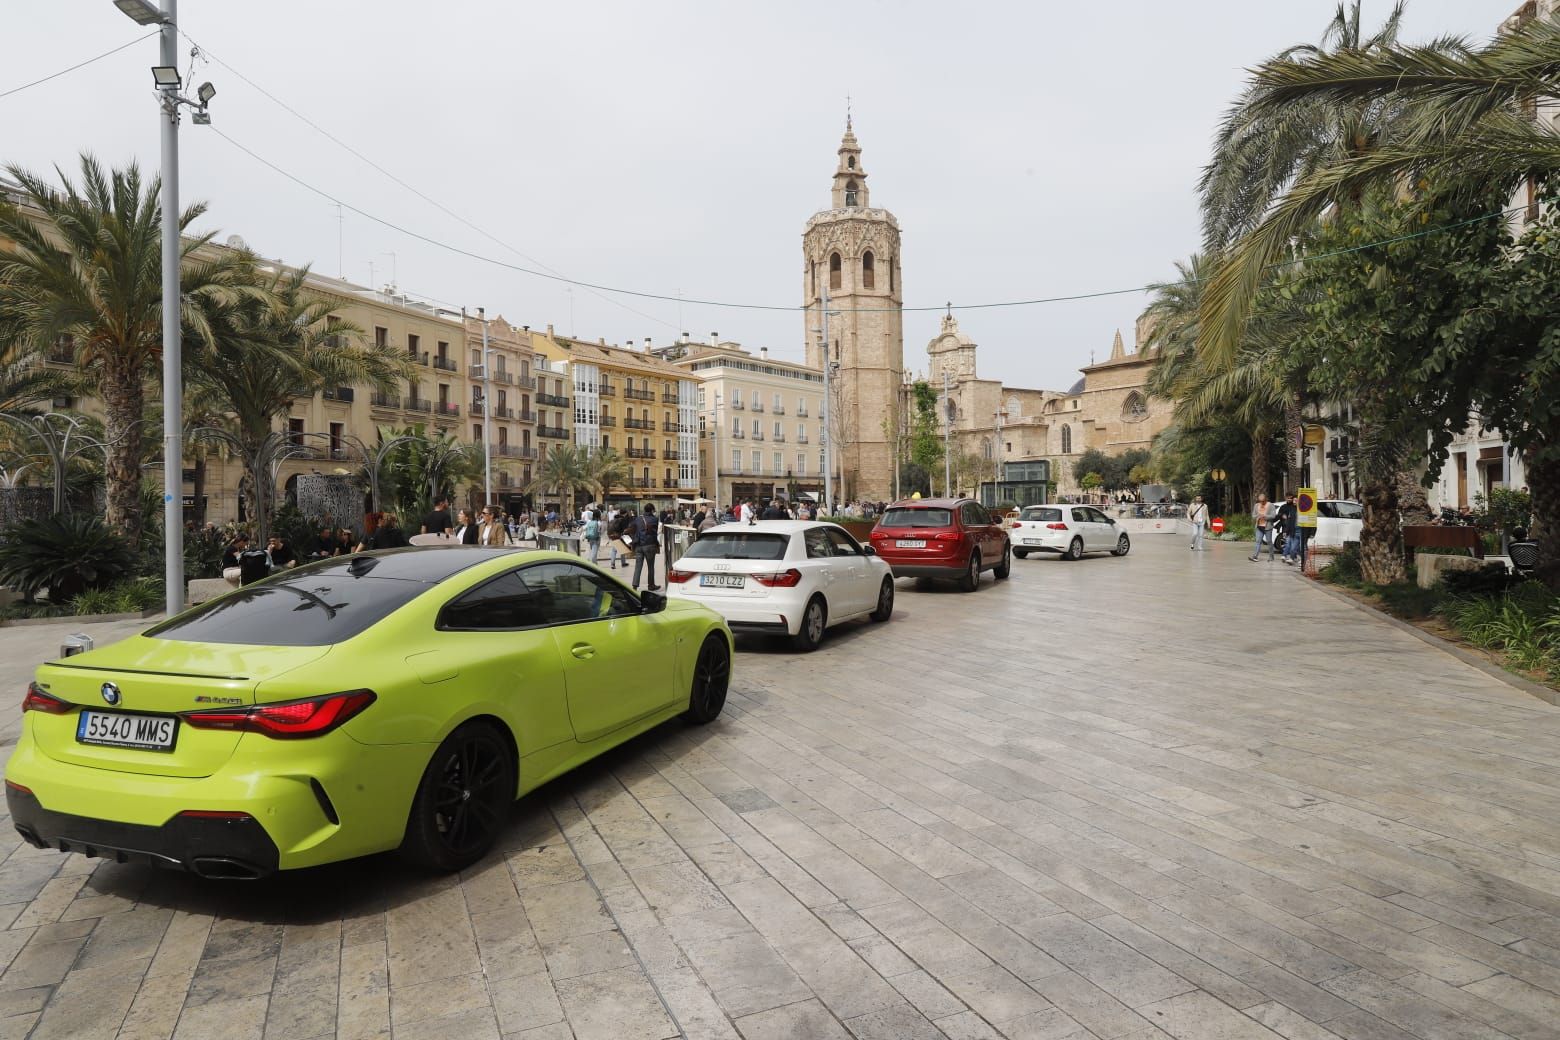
(851, 253)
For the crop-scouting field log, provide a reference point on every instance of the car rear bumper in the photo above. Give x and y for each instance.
(745, 615)
(927, 570)
(217, 848)
(315, 801)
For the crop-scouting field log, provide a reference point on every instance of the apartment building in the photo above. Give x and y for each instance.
(502, 412)
(762, 421)
(636, 403)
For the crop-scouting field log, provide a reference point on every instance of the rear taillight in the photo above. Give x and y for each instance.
(786, 579)
(1056, 527)
(37, 700)
(947, 536)
(678, 577)
(13, 785)
(312, 717)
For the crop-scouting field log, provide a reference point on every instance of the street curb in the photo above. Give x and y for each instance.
(1543, 693)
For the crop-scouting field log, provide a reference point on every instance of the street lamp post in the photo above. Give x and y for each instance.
(165, 75)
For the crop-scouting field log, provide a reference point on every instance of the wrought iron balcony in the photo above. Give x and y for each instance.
(639, 424)
(606, 391)
(552, 399)
(343, 394)
(556, 432)
(640, 453)
(639, 395)
(667, 398)
(446, 408)
(385, 401)
(414, 404)
(606, 421)
(445, 364)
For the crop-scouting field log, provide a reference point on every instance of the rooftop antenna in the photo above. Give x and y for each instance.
(847, 111)
(341, 267)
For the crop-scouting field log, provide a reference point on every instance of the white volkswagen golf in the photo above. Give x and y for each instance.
(1068, 530)
(784, 577)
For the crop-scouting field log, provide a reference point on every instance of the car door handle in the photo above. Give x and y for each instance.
(584, 651)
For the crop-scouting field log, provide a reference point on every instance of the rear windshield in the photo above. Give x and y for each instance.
(1041, 513)
(909, 516)
(739, 545)
(311, 606)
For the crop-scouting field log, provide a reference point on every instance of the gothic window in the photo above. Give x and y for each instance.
(1135, 409)
(890, 274)
(868, 276)
(834, 270)
(850, 193)
(1066, 439)
(850, 162)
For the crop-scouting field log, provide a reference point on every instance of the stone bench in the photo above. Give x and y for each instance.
(1430, 568)
(202, 589)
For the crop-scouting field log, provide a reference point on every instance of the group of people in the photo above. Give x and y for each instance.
(1278, 529)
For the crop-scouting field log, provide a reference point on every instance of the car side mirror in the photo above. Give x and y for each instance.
(652, 602)
(1111, 520)
(867, 550)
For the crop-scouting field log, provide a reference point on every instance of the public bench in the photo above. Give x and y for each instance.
(1470, 538)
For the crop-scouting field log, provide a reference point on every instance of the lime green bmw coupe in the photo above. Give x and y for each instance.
(399, 699)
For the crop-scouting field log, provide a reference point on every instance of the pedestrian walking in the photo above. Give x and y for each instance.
(647, 544)
(593, 537)
(616, 527)
(1263, 522)
(1199, 518)
(1287, 526)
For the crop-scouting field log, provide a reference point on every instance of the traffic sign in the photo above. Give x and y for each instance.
(1305, 503)
(1217, 525)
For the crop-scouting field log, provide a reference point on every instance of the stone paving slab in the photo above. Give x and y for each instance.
(1172, 795)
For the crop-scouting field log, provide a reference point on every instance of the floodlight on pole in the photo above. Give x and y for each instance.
(206, 93)
(166, 77)
(142, 12)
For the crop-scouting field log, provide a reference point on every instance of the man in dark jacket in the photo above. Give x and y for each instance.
(1286, 524)
(647, 544)
(438, 521)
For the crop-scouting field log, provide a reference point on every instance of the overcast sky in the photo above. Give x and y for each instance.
(1029, 149)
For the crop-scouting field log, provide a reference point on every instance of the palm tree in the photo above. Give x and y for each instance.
(1462, 116)
(604, 469)
(283, 343)
(1252, 388)
(562, 470)
(86, 263)
(25, 384)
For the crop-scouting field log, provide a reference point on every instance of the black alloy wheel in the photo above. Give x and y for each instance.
(971, 580)
(462, 800)
(885, 602)
(1005, 566)
(711, 678)
(814, 621)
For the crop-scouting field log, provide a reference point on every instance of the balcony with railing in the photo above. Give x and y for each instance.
(672, 456)
(526, 382)
(758, 435)
(643, 482)
(737, 405)
(417, 404)
(606, 391)
(385, 401)
(670, 427)
(639, 424)
(514, 451)
(778, 409)
(503, 412)
(801, 438)
(607, 421)
(344, 394)
(555, 432)
(757, 406)
(552, 399)
(640, 453)
(737, 435)
(669, 398)
(639, 395)
(778, 438)
(416, 358)
(801, 413)
(445, 364)
(447, 409)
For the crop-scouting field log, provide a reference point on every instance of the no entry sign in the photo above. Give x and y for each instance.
(1217, 525)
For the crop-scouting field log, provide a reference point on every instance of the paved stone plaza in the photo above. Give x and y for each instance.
(1171, 795)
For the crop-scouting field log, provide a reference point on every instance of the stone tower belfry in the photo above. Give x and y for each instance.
(851, 251)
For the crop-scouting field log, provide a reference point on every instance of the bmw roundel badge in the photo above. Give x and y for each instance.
(110, 693)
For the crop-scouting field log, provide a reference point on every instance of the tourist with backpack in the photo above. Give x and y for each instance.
(646, 530)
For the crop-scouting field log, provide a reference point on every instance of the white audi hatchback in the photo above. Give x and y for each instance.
(784, 577)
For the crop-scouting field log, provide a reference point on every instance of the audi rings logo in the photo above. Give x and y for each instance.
(110, 693)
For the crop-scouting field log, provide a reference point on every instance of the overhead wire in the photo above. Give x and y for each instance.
(78, 65)
(1036, 301)
(328, 135)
